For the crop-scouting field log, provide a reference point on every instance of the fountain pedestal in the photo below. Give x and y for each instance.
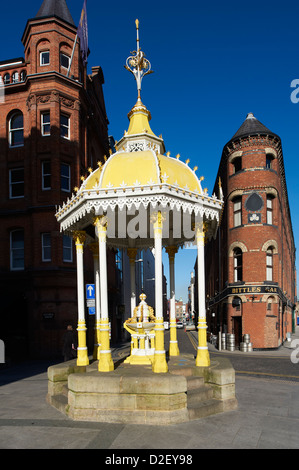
(142, 330)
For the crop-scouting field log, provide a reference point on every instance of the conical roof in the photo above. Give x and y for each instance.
(57, 8)
(251, 126)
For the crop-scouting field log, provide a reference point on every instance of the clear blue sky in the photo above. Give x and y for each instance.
(214, 62)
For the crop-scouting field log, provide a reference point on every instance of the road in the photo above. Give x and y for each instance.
(264, 365)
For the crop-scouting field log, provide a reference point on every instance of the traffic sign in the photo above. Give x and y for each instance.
(92, 311)
(90, 291)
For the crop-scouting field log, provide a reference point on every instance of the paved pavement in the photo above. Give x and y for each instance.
(267, 418)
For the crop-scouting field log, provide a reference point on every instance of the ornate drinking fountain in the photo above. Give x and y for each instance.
(142, 330)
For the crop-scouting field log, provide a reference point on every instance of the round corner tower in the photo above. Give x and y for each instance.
(251, 280)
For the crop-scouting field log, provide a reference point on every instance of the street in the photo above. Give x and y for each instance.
(258, 363)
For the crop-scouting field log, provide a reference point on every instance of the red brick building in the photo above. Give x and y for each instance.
(53, 127)
(250, 267)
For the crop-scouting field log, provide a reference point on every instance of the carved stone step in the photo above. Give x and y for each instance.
(199, 394)
(194, 382)
(205, 408)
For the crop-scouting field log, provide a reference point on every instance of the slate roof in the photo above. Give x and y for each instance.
(251, 126)
(57, 8)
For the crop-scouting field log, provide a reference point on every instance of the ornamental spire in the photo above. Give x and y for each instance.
(137, 64)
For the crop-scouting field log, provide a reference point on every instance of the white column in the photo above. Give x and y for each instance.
(82, 352)
(105, 359)
(159, 364)
(132, 252)
(96, 268)
(203, 358)
(192, 295)
(173, 343)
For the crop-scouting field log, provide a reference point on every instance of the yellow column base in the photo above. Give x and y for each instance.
(97, 339)
(134, 359)
(82, 352)
(159, 363)
(106, 363)
(173, 343)
(203, 357)
(174, 349)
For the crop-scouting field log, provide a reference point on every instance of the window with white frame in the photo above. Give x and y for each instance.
(238, 265)
(64, 60)
(6, 79)
(67, 249)
(46, 247)
(269, 210)
(45, 123)
(65, 177)
(23, 75)
(65, 126)
(15, 77)
(237, 211)
(44, 58)
(16, 183)
(17, 262)
(46, 175)
(16, 130)
(269, 264)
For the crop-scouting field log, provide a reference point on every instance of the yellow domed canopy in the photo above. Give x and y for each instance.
(144, 168)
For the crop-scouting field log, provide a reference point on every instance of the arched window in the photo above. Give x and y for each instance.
(15, 77)
(23, 75)
(16, 130)
(269, 264)
(6, 79)
(238, 265)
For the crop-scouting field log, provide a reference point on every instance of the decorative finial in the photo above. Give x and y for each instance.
(137, 64)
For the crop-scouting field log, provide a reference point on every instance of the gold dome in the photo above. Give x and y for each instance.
(143, 168)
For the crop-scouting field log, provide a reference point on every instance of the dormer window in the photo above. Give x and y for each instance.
(45, 58)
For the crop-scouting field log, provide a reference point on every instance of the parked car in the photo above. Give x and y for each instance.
(180, 324)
